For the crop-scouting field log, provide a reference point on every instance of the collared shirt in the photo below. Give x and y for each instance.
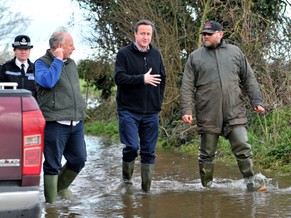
(139, 48)
(18, 63)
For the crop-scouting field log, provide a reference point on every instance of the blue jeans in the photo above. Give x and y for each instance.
(63, 140)
(138, 131)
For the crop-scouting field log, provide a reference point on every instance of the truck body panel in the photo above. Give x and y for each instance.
(11, 138)
(21, 146)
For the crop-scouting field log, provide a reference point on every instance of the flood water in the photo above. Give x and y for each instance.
(176, 190)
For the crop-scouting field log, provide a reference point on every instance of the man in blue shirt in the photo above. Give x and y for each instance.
(62, 105)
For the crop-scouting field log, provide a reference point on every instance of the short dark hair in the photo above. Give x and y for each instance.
(143, 22)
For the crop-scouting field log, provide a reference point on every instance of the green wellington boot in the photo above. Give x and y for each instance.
(127, 171)
(206, 160)
(206, 173)
(246, 168)
(146, 176)
(241, 148)
(65, 179)
(50, 188)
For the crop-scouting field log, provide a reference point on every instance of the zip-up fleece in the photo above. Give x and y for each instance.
(132, 93)
(215, 80)
(64, 101)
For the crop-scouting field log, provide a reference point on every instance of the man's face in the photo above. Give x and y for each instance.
(211, 40)
(22, 54)
(143, 36)
(68, 46)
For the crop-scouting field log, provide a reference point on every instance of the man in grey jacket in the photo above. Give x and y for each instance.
(215, 76)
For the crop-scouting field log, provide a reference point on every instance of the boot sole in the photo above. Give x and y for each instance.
(263, 188)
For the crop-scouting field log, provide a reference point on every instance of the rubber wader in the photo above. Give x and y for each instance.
(246, 168)
(146, 176)
(207, 152)
(206, 174)
(50, 188)
(127, 171)
(242, 150)
(65, 179)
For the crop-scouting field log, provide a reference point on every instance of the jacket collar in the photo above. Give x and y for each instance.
(135, 46)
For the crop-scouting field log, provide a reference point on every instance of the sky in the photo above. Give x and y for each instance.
(46, 16)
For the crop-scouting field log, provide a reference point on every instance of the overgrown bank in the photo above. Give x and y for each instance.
(269, 135)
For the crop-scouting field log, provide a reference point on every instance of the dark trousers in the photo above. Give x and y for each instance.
(138, 131)
(64, 140)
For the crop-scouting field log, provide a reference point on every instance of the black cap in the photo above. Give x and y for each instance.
(211, 27)
(22, 41)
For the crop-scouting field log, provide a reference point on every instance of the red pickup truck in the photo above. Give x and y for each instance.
(21, 146)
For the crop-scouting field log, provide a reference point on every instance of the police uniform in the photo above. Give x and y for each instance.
(11, 70)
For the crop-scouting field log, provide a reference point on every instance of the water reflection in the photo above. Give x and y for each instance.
(176, 190)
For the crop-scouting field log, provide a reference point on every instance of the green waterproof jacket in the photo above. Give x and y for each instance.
(215, 80)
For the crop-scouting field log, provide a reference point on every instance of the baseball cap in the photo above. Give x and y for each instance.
(211, 27)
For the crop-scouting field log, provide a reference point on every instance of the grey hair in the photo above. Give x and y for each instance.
(143, 22)
(57, 37)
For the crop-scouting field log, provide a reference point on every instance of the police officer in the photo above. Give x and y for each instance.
(20, 69)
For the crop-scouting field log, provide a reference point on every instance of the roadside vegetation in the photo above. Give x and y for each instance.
(261, 28)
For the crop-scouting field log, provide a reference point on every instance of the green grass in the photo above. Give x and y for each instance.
(270, 136)
(102, 128)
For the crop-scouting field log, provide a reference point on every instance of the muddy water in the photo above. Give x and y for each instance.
(175, 192)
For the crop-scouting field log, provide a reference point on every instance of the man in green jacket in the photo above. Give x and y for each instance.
(215, 76)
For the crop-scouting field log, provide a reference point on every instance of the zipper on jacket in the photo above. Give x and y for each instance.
(146, 94)
(71, 85)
